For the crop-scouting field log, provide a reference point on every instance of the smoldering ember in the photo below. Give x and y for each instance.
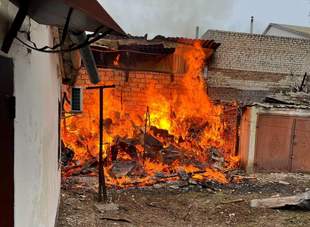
(191, 126)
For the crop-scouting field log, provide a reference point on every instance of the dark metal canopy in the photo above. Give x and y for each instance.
(85, 15)
(88, 15)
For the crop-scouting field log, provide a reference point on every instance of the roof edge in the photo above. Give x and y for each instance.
(284, 28)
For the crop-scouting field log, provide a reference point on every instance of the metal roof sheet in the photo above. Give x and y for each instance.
(87, 15)
(204, 42)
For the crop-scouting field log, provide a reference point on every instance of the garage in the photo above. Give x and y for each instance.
(275, 140)
(282, 143)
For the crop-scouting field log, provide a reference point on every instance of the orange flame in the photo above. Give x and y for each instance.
(116, 61)
(195, 123)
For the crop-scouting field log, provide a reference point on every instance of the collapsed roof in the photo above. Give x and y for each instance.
(142, 54)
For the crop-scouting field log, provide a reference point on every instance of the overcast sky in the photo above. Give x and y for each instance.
(180, 17)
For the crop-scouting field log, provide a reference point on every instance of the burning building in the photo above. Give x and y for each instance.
(158, 120)
(194, 106)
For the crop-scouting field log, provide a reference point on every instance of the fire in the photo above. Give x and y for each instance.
(184, 132)
(116, 61)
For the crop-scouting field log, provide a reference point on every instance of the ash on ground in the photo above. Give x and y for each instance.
(183, 203)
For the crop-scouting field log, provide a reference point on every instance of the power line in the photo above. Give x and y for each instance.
(91, 38)
(73, 47)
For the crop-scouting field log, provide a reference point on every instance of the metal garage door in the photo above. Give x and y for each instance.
(301, 146)
(273, 141)
(282, 144)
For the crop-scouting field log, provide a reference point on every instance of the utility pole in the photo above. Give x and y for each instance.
(102, 190)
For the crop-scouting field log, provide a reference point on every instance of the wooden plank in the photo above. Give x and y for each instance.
(298, 201)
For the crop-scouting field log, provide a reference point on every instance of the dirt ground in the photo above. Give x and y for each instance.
(176, 205)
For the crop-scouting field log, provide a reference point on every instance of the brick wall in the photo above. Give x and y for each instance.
(247, 86)
(259, 53)
(131, 94)
(248, 67)
(230, 117)
(132, 87)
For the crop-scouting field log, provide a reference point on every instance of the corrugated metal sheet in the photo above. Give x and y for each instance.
(151, 48)
(168, 42)
(140, 54)
(187, 41)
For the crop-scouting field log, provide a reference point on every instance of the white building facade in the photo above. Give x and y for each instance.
(37, 89)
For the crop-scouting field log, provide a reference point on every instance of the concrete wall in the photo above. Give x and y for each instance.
(248, 131)
(247, 67)
(37, 91)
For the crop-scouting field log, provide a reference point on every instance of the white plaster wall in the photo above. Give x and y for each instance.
(37, 89)
(279, 32)
(244, 137)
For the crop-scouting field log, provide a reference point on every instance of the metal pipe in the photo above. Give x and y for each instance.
(102, 187)
(252, 25)
(102, 190)
(197, 32)
(16, 25)
(87, 56)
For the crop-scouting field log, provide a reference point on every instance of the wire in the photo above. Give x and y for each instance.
(64, 34)
(46, 49)
(71, 48)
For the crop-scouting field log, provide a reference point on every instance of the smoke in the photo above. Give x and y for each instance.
(168, 17)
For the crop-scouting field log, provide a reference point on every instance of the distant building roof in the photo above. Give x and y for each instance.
(297, 30)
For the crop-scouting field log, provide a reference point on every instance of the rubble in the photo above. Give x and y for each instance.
(122, 168)
(171, 154)
(167, 203)
(103, 207)
(67, 154)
